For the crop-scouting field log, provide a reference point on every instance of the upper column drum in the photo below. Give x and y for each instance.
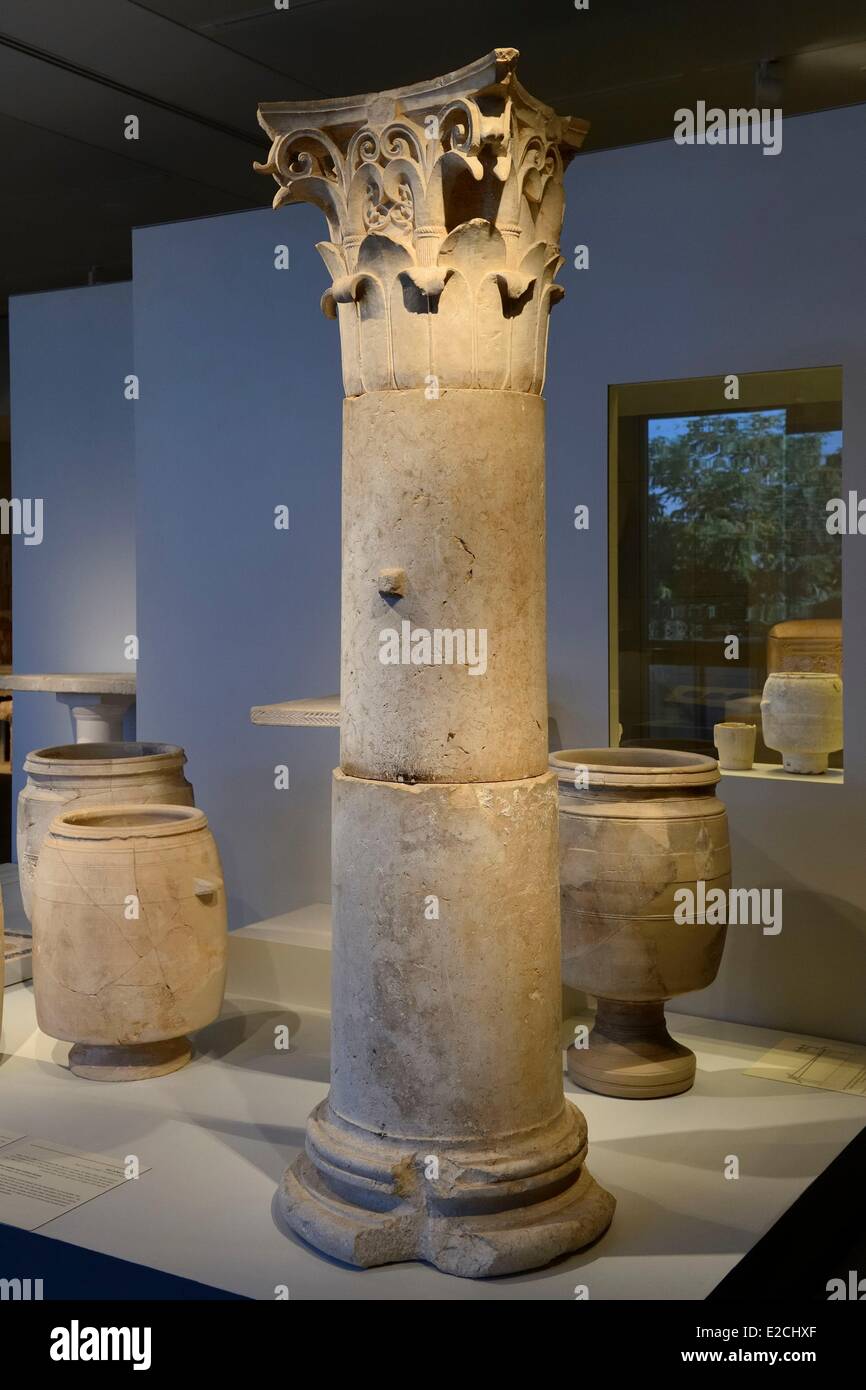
(444, 681)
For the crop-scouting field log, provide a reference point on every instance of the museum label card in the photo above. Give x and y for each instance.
(16, 945)
(829, 1066)
(18, 955)
(39, 1181)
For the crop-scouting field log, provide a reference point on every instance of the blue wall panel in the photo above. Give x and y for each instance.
(240, 413)
(72, 445)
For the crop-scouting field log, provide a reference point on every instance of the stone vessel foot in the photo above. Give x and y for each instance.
(631, 1054)
(129, 1062)
(368, 1201)
(804, 761)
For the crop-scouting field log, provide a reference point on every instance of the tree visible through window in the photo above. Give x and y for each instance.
(722, 532)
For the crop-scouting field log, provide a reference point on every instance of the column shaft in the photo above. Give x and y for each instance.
(446, 1135)
(451, 492)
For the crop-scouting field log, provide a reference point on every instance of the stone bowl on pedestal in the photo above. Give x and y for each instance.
(129, 937)
(636, 826)
(91, 774)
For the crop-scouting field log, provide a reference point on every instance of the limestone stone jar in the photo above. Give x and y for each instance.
(129, 937)
(636, 825)
(801, 713)
(91, 774)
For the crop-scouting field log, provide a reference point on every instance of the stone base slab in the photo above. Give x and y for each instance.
(368, 1201)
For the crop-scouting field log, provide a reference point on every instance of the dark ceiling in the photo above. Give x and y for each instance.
(194, 70)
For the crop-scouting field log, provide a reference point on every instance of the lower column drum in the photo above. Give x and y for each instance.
(446, 1135)
(446, 935)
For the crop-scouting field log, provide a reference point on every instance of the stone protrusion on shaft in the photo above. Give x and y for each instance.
(391, 582)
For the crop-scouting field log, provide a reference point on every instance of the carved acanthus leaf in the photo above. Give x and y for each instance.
(444, 203)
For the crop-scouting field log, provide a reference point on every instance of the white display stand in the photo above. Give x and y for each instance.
(98, 700)
(318, 712)
(216, 1137)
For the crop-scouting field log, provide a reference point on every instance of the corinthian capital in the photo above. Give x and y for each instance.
(444, 202)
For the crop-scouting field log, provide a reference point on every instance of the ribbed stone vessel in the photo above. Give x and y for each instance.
(445, 1136)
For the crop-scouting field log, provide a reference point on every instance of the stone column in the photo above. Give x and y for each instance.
(445, 1136)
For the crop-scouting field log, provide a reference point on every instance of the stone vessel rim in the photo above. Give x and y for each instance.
(635, 766)
(128, 820)
(121, 758)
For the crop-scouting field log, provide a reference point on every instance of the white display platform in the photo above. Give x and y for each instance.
(774, 772)
(68, 683)
(217, 1135)
(318, 712)
(97, 700)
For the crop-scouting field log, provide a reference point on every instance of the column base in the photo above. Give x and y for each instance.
(129, 1062)
(370, 1200)
(631, 1054)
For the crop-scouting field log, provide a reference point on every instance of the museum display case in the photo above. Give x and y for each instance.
(726, 568)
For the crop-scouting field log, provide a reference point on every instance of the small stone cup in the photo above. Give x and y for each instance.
(735, 745)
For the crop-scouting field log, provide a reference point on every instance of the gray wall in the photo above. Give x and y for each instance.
(702, 261)
(72, 445)
(239, 413)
